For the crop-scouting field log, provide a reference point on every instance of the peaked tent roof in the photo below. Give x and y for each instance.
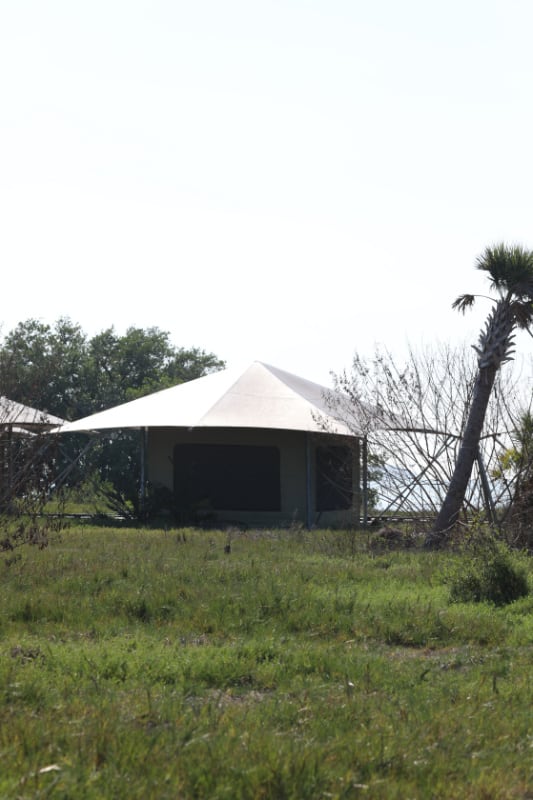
(260, 397)
(18, 416)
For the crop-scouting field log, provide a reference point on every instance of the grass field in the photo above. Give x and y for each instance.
(154, 664)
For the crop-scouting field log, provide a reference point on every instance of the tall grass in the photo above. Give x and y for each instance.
(140, 664)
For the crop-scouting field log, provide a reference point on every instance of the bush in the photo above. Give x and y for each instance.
(488, 573)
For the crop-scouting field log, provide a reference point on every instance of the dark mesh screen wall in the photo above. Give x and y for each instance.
(239, 477)
(334, 484)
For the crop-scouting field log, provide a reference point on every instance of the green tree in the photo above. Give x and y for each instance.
(510, 271)
(121, 368)
(41, 365)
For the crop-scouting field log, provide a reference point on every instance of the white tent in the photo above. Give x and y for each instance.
(22, 418)
(250, 446)
(260, 397)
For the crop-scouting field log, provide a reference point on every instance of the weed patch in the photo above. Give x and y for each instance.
(488, 572)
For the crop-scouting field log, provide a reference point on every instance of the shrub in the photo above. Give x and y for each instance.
(488, 572)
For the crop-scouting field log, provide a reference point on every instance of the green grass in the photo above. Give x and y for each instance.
(151, 664)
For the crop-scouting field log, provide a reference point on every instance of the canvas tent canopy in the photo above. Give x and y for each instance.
(261, 396)
(247, 446)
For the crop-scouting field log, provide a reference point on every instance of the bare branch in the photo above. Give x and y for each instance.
(414, 414)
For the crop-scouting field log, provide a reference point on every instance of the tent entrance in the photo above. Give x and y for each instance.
(334, 478)
(216, 477)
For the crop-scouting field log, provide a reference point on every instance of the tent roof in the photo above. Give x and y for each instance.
(25, 417)
(260, 397)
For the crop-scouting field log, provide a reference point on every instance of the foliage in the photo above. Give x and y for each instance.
(488, 571)
(122, 368)
(42, 366)
(515, 467)
(58, 368)
(138, 663)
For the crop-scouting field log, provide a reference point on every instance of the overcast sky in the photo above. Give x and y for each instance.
(289, 181)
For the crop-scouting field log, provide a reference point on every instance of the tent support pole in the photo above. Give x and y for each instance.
(365, 481)
(308, 493)
(142, 479)
(487, 494)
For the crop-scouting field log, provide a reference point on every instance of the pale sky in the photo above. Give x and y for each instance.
(284, 181)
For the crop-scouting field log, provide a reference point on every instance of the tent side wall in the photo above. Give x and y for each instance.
(297, 472)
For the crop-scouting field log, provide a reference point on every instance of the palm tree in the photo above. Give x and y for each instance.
(510, 270)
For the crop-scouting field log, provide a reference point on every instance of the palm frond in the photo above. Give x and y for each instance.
(524, 291)
(510, 268)
(464, 302)
(522, 313)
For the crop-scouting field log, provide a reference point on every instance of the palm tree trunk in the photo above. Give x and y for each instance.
(455, 495)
